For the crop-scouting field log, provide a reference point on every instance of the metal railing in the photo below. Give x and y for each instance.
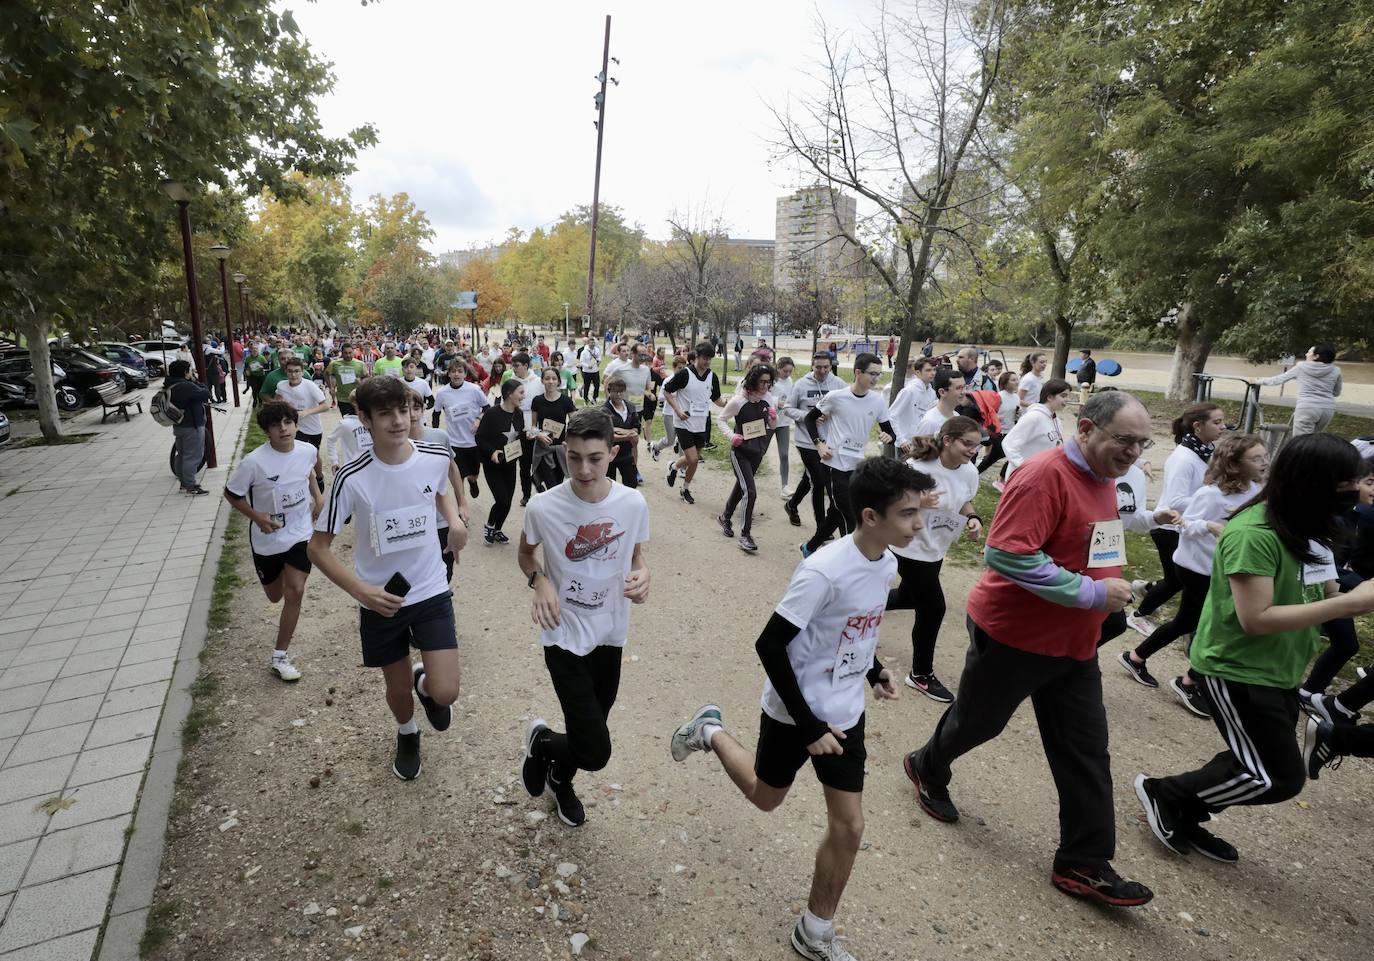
(1251, 412)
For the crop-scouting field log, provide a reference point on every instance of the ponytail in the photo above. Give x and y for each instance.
(1183, 423)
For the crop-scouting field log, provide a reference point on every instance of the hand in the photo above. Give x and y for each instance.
(637, 586)
(316, 506)
(464, 515)
(1216, 527)
(377, 599)
(266, 523)
(545, 611)
(930, 499)
(884, 437)
(823, 450)
(973, 528)
(457, 539)
(885, 690)
(736, 440)
(1118, 593)
(827, 743)
(1148, 469)
(1167, 515)
(496, 456)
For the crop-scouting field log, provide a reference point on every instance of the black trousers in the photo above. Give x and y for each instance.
(1357, 695)
(744, 461)
(815, 480)
(526, 464)
(1166, 542)
(1195, 588)
(840, 518)
(919, 590)
(591, 384)
(1262, 763)
(586, 687)
(994, 453)
(625, 467)
(1067, 698)
(447, 558)
(501, 483)
(1356, 740)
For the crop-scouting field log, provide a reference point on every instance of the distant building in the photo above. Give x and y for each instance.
(809, 228)
(757, 253)
(461, 258)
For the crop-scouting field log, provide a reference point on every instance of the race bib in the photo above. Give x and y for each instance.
(854, 654)
(554, 428)
(854, 448)
(590, 593)
(755, 428)
(348, 376)
(402, 529)
(697, 408)
(1107, 546)
(290, 498)
(393, 372)
(512, 451)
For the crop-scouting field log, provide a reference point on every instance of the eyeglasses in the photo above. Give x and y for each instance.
(1126, 441)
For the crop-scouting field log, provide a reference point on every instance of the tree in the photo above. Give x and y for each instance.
(493, 297)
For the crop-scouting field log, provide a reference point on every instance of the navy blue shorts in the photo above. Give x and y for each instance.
(426, 626)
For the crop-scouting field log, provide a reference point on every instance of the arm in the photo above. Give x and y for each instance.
(1045, 579)
(1277, 379)
(728, 411)
(637, 584)
(1204, 509)
(772, 650)
(455, 483)
(1255, 609)
(371, 596)
(885, 433)
(264, 520)
(448, 509)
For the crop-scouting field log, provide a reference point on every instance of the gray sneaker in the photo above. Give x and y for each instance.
(687, 738)
(831, 950)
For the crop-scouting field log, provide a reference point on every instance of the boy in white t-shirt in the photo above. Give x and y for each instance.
(818, 649)
(310, 402)
(590, 570)
(415, 382)
(274, 487)
(393, 494)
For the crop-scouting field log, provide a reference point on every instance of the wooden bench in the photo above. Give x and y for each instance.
(108, 410)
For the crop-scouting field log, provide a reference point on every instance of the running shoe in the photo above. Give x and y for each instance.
(746, 544)
(524, 500)
(499, 537)
(1194, 698)
(1101, 884)
(440, 716)
(406, 765)
(687, 738)
(194, 491)
(1317, 752)
(1167, 823)
(805, 549)
(710, 446)
(653, 452)
(1140, 588)
(725, 526)
(284, 669)
(1141, 625)
(831, 949)
(1139, 672)
(639, 479)
(472, 487)
(534, 771)
(672, 474)
(930, 686)
(570, 809)
(786, 491)
(488, 534)
(1328, 708)
(687, 497)
(1360, 673)
(1207, 844)
(933, 800)
(793, 516)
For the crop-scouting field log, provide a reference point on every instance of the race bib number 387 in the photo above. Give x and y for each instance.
(402, 529)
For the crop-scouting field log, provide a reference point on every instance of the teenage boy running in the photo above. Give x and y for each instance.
(274, 487)
(818, 649)
(690, 393)
(462, 403)
(310, 402)
(393, 493)
(438, 438)
(344, 375)
(590, 569)
(417, 383)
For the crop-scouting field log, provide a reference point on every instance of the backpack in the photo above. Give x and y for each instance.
(163, 410)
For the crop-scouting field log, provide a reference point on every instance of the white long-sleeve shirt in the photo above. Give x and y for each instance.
(1196, 543)
(347, 441)
(1037, 430)
(1183, 473)
(909, 406)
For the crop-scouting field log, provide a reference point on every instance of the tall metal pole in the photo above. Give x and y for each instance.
(596, 183)
(229, 331)
(197, 335)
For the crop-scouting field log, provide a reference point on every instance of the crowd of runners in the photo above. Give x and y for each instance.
(1269, 557)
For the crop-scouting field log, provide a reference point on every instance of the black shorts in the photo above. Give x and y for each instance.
(312, 439)
(346, 407)
(691, 438)
(426, 626)
(469, 461)
(781, 754)
(270, 566)
(647, 414)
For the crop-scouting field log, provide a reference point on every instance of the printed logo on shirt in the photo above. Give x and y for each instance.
(597, 537)
(273, 478)
(428, 490)
(1125, 498)
(860, 626)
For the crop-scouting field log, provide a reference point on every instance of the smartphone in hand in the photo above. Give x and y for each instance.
(398, 585)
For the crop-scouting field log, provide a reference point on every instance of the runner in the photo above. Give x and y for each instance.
(498, 438)
(806, 394)
(393, 495)
(1006, 418)
(913, 400)
(589, 359)
(520, 370)
(817, 650)
(1196, 431)
(310, 402)
(1231, 480)
(625, 428)
(849, 418)
(753, 419)
(551, 411)
(1032, 378)
(782, 433)
(1039, 428)
(590, 568)
(388, 365)
(1053, 556)
(946, 459)
(438, 438)
(347, 441)
(1257, 633)
(274, 487)
(669, 422)
(462, 403)
(690, 393)
(417, 383)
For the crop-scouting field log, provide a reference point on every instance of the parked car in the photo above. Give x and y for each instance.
(157, 353)
(4, 429)
(96, 378)
(17, 387)
(120, 353)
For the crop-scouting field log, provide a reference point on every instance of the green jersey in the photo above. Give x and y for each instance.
(255, 365)
(1221, 648)
(345, 375)
(270, 382)
(394, 367)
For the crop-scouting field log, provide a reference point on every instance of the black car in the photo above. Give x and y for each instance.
(17, 387)
(98, 378)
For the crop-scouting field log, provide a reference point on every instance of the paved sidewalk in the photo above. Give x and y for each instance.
(100, 560)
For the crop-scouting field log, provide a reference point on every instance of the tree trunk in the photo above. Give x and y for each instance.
(45, 391)
(1063, 334)
(1190, 355)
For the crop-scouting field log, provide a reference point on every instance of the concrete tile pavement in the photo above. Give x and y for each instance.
(102, 562)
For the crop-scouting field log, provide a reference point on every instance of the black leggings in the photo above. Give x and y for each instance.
(526, 463)
(1166, 542)
(994, 453)
(815, 479)
(591, 384)
(840, 518)
(447, 558)
(586, 687)
(629, 474)
(744, 461)
(1195, 587)
(1344, 645)
(501, 483)
(919, 591)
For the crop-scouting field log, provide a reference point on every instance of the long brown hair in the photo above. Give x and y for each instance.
(1192, 414)
(1224, 469)
(928, 448)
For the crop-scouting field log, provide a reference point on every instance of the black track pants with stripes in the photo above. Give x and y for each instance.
(744, 461)
(1262, 763)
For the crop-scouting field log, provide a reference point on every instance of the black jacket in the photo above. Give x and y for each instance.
(191, 398)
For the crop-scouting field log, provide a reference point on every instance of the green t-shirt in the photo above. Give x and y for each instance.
(256, 364)
(569, 378)
(336, 370)
(383, 367)
(1220, 647)
(270, 382)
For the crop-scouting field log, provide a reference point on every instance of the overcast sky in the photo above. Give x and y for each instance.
(485, 111)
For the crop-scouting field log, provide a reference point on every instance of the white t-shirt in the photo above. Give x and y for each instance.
(533, 388)
(636, 382)
(782, 390)
(1037, 430)
(614, 367)
(694, 394)
(806, 393)
(930, 423)
(1006, 411)
(837, 597)
(277, 483)
(393, 510)
(347, 441)
(439, 438)
(1131, 506)
(303, 396)
(588, 358)
(849, 421)
(462, 405)
(911, 404)
(1323, 570)
(420, 386)
(1183, 474)
(941, 524)
(1029, 388)
(587, 553)
(1196, 543)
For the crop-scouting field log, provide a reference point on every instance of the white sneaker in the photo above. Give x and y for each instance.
(832, 950)
(1141, 625)
(1139, 588)
(284, 669)
(687, 738)
(1360, 673)
(786, 490)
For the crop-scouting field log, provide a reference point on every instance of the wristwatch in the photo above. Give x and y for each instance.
(535, 573)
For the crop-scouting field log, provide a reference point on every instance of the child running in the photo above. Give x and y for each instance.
(462, 403)
(690, 393)
(498, 438)
(747, 420)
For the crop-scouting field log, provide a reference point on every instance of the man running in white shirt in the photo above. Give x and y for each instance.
(462, 402)
(690, 393)
(417, 383)
(912, 402)
(806, 393)
(527, 376)
(347, 441)
(589, 360)
(309, 400)
(948, 389)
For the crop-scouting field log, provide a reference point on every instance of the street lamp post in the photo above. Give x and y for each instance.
(566, 305)
(221, 253)
(179, 193)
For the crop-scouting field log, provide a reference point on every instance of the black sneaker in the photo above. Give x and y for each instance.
(499, 537)
(710, 446)
(725, 526)
(1166, 822)
(930, 686)
(1207, 844)
(746, 544)
(472, 487)
(406, 766)
(488, 534)
(524, 501)
(570, 810)
(440, 716)
(672, 474)
(687, 497)
(793, 517)
(534, 771)
(1139, 672)
(1194, 698)
(933, 800)
(1102, 884)
(1326, 707)
(1317, 752)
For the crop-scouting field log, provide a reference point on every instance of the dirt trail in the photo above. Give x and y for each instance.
(672, 863)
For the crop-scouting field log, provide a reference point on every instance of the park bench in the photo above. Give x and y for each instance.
(108, 410)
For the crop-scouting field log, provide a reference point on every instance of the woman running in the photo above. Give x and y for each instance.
(749, 432)
(1039, 428)
(1032, 378)
(1196, 431)
(498, 441)
(550, 411)
(782, 433)
(947, 458)
(1006, 418)
(495, 377)
(1232, 479)
(1257, 633)
(567, 373)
